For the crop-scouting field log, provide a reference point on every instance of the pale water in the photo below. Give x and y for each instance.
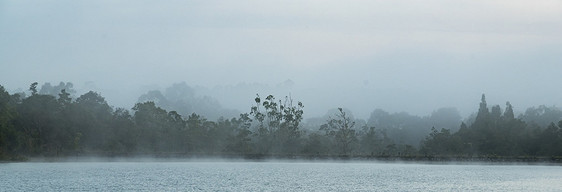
(275, 176)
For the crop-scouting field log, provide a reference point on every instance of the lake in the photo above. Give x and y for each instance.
(275, 176)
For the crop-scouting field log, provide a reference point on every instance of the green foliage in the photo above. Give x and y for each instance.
(47, 124)
(240, 141)
(541, 116)
(45, 129)
(342, 131)
(33, 88)
(405, 128)
(152, 126)
(317, 144)
(440, 142)
(550, 141)
(372, 141)
(91, 117)
(278, 125)
(491, 134)
(8, 133)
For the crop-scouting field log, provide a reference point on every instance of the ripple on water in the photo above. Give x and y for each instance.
(275, 176)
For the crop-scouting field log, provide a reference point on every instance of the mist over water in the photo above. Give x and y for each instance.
(275, 176)
(260, 95)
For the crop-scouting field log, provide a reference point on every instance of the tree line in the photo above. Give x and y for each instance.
(498, 133)
(54, 124)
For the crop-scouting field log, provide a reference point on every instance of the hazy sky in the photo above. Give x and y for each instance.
(413, 56)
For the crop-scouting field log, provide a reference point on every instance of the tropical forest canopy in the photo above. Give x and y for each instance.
(52, 122)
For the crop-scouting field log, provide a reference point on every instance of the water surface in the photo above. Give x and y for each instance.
(275, 176)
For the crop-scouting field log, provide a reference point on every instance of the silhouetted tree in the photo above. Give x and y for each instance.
(47, 124)
(342, 131)
(508, 114)
(541, 116)
(91, 116)
(124, 136)
(371, 142)
(316, 144)
(9, 142)
(240, 141)
(401, 127)
(151, 122)
(33, 88)
(277, 125)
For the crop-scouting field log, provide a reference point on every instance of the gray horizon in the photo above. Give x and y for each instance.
(397, 56)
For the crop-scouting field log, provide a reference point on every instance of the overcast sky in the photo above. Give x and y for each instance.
(413, 56)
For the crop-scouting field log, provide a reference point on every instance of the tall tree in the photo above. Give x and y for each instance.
(8, 134)
(198, 136)
(45, 126)
(483, 113)
(91, 116)
(342, 131)
(371, 142)
(33, 88)
(151, 122)
(278, 124)
(508, 114)
(240, 141)
(124, 136)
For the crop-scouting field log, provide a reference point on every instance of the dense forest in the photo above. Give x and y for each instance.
(51, 122)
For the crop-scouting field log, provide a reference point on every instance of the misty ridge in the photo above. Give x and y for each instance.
(53, 121)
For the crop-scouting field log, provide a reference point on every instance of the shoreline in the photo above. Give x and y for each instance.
(495, 160)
